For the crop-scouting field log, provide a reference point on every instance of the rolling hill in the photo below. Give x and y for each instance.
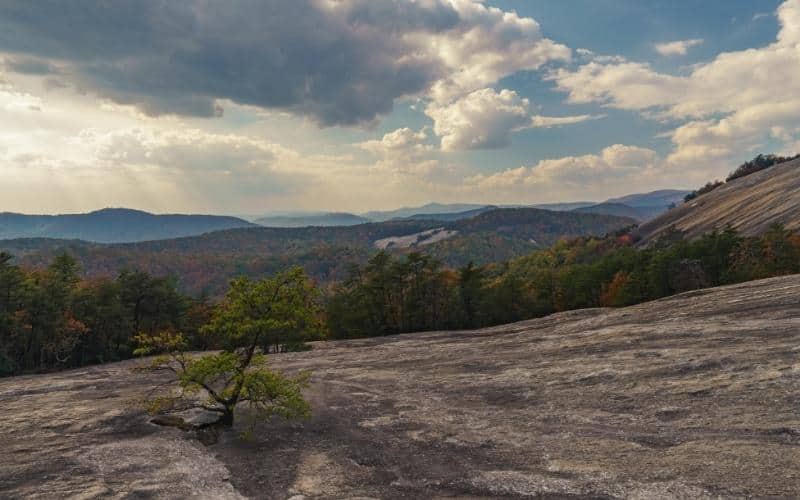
(113, 225)
(617, 209)
(749, 204)
(206, 263)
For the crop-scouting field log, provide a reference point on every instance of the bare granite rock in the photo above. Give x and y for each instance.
(695, 396)
(749, 204)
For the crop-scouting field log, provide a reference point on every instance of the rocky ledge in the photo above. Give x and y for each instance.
(696, 396)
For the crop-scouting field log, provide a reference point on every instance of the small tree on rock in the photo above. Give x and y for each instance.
(250, 313)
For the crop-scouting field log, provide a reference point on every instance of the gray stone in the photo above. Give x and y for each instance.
(694, 396)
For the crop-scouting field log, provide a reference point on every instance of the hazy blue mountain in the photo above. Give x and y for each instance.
(113, 225)
(452, 216)
(639, 206)
(429, 209)
(207, 262)
(663, 198)
(618, 209)
(564, 207)
(320, 220)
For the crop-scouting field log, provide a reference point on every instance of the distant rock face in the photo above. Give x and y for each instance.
(748, 204)
(415, 240)
(693, 396)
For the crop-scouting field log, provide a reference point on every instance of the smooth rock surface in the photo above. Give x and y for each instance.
(695, 396)
(749, 204)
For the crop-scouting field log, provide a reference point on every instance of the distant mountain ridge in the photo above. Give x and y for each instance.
(113, 225)
(206, 263)
(641, 206)
(564, 207)
(430, 208)
(618, 209)
(452, 216)
(319, 220)
(653, 199)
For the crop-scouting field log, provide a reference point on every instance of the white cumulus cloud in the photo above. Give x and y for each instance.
(485, 119)
(728, 106)
(678, 47)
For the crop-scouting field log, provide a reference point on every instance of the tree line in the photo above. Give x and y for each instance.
(412, 293)
(53, 319)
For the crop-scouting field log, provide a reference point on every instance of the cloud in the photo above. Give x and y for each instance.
(77, 157)
(599, 176)
(556, 121)
(589, 171)
(403, 151)
(485, 119)
(677, 48)
(488, 45)
(743, 131)
(588, 55)
(629, 85)
(30, 66)
(727, 106)
(339, 62)
(186, 151)
(401, 140)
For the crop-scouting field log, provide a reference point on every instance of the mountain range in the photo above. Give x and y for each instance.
(640, 206)
(206, 262)
(120, 225)
(430, 208)
(318, 220)
(113, 225)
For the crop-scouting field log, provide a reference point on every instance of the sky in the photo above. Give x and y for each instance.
(258, 106)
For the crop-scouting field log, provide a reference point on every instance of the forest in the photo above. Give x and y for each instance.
(52, 318)
(207, 263)
(412, 293)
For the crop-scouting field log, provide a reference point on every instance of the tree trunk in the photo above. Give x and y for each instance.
(226, 419)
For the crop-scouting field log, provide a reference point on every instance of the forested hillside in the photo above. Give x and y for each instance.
(206, 263)
(413, 293)
(52, 319)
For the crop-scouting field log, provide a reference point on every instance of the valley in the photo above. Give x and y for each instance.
(207, 262)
